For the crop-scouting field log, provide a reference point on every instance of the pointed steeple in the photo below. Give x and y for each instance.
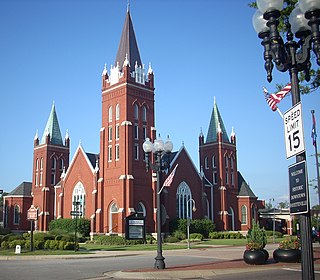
(128, 45)
(216, 126)
(52, 128)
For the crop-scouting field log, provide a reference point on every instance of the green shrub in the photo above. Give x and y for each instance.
(38, 244)
(203, 226)
(256, 237)
(69, 246)
(179, 235)
(14, 243)
(150, 239)
(171, 239)
(225, 235)
(12, 236)
(68, 225)
(43, 236)
(5, 245)
(110, 240)
(196, 237)
(277, 234)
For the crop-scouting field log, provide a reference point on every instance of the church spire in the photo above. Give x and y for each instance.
(52, 129)
(128, 47)
(216, 126)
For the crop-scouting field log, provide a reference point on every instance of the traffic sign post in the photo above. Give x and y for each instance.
(293, 131)
(32, 215)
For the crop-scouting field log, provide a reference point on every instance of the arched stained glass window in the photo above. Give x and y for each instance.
(183, 201)
(244, 214)
(79, 199)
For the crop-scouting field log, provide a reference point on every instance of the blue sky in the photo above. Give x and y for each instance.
(55, 50)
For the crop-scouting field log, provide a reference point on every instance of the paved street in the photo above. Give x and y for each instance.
(210, 263)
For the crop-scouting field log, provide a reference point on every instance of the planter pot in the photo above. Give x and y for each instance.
(254, 256)
(266, 254)
(287, 255)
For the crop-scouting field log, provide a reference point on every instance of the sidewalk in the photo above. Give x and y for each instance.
(229, 261)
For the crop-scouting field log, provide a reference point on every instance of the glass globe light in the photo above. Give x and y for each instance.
(147, 146)
(168, 146)
(298, 21)
(259, 23)
(158, 144)
(269, 5)
(309, 5)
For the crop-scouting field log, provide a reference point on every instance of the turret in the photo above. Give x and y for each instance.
(233, 137)
(201, 138)
(104, 76)
(36, 140)
(67, 139)
(150, 77)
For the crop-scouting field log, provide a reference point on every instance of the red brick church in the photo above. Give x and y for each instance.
(112, 184)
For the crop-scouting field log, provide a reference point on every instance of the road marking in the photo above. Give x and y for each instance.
(298, 270)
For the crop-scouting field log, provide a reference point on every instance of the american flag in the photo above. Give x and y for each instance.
(313, 131)
(274, 98)
(168, 181)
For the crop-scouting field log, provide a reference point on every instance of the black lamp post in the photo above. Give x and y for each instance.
(161, 163)
(294, 57)
(188, 217)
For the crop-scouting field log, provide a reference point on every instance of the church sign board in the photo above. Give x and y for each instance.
(299, 195)
(135, 227)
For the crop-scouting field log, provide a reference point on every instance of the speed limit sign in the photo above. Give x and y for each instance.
(293, 131)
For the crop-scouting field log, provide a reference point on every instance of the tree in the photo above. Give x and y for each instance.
(269, 204)
(1, 198)
(283, 204)
(305, 86)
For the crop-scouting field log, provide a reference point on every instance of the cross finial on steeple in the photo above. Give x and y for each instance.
(128, 6)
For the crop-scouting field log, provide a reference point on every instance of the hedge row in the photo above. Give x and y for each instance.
(225, 235)
(276, 233)
(114, 240)
(48, 244)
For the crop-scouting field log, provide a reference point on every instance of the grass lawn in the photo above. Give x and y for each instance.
(24, 252)
(89, 247)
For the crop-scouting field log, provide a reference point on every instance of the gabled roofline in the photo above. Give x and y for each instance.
(78, 150)
(177, 155)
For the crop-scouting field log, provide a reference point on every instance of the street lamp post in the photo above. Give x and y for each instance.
(293, 57)
(188, 218)
(161, 163)
(274, 222)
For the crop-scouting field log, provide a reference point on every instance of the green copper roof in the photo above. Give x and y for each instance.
(53, 129)
(216, 124)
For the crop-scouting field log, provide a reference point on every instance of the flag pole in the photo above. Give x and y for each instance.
(281, 115)
(316, 155)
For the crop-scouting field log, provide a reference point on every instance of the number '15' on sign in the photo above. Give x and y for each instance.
(293, 131)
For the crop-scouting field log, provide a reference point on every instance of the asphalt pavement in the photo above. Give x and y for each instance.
(223, 260)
